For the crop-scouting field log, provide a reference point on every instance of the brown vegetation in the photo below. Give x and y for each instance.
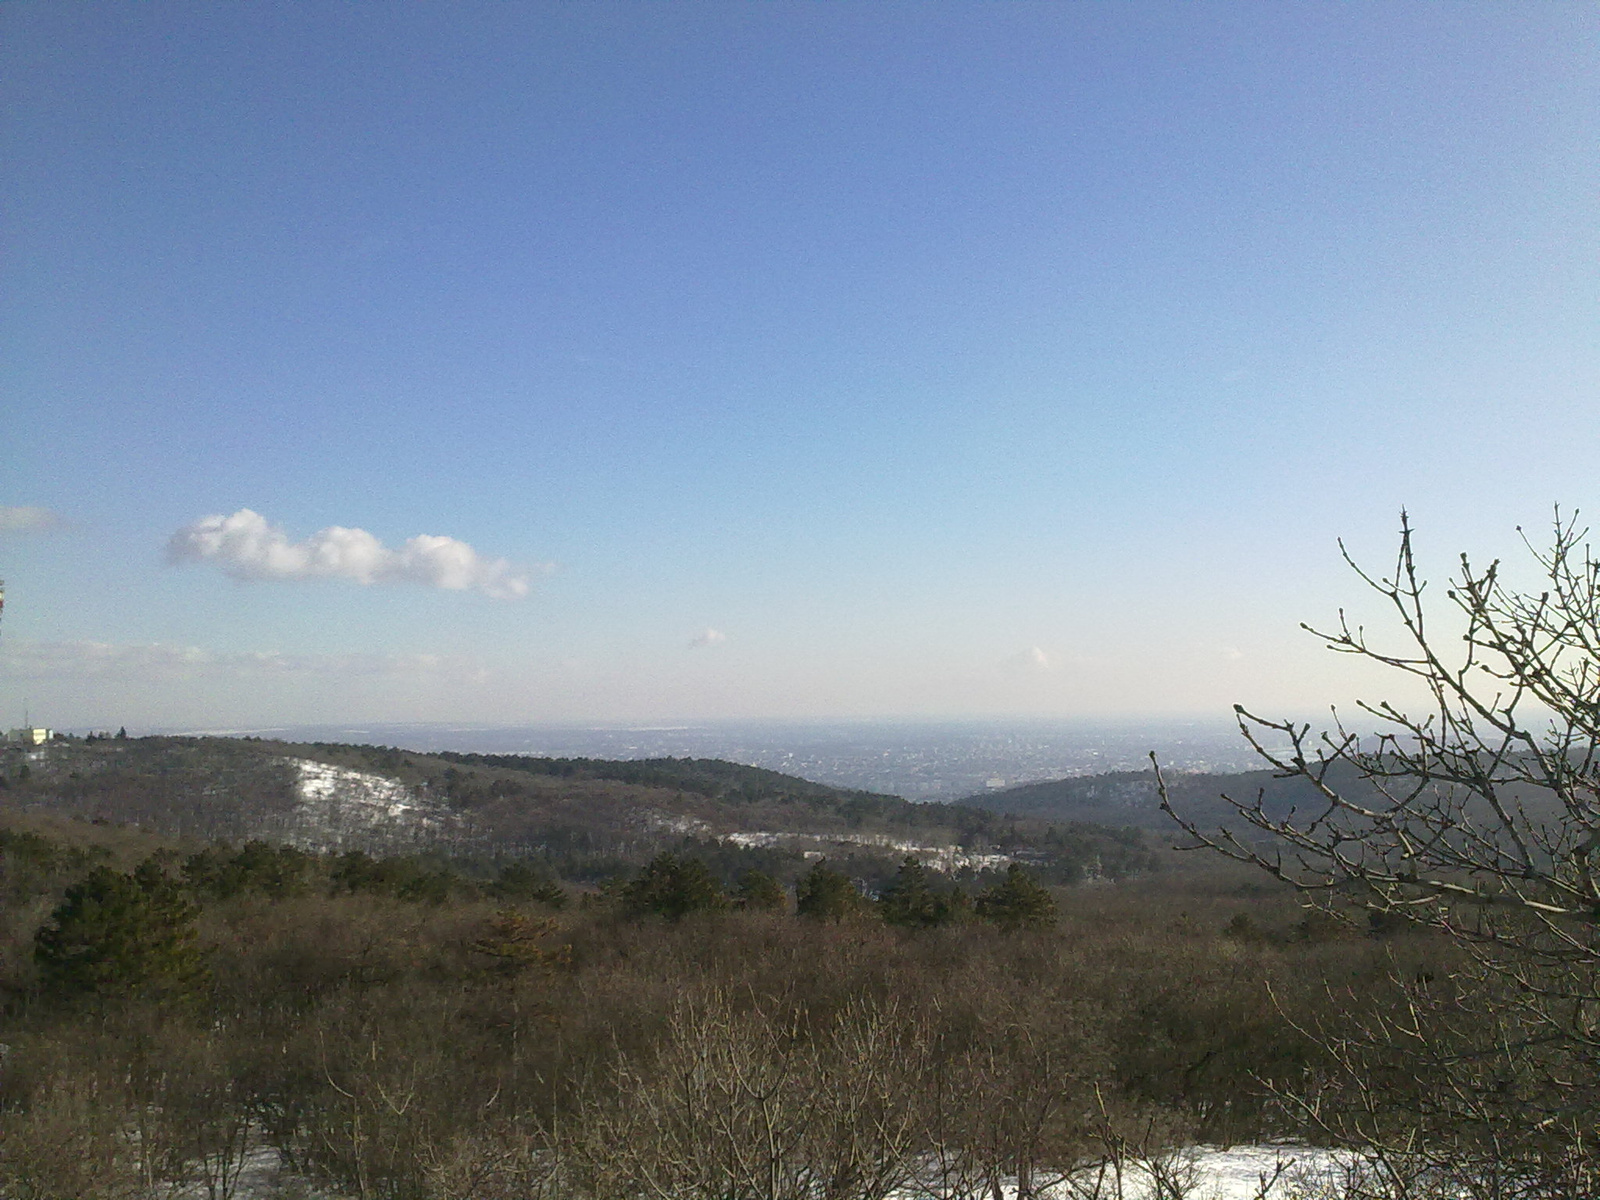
(453, 1043)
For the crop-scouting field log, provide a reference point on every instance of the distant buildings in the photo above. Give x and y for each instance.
(31, 735)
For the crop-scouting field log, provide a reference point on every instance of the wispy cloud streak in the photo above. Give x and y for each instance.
(1033, 659)
(151, 661)
(29, 518)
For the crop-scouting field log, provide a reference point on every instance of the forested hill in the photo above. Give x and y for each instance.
(1129, 798)
(583, 820)
(713, 778)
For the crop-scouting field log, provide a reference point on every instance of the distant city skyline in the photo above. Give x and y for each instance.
(617, 362)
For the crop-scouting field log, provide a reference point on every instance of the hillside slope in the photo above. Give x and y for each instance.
(584, 819)
(1129, 798)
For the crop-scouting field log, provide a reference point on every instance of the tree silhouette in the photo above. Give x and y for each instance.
(1474, 815)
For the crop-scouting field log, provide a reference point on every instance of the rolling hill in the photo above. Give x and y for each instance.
(583, 820)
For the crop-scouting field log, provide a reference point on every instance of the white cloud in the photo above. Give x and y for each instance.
(246, 546)
(28, 518)
(708, 637)
(1032, 659)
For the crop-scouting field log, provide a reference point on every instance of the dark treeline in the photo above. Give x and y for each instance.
(409, 1027)
(709, 777)
(1129, 798)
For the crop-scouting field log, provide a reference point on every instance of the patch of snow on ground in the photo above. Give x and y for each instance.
(673, 824)
(260, 1176)
(939, 858)
(1238, 1173)
(340, 806)
(331, 787)
(1267, 1172)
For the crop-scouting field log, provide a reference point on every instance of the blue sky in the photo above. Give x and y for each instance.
(801, 359)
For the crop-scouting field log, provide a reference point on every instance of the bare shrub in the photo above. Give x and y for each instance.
(69, 1141)
(1476, 817)
(755, 1102)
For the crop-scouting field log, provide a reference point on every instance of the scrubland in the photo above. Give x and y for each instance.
(390, 1030)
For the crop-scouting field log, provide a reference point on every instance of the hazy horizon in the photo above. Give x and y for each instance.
(919, 759)
(710, 361)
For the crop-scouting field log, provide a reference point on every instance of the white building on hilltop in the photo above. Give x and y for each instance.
(30, 735)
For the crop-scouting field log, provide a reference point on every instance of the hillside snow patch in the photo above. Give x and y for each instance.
(947, 859)
(342, 808)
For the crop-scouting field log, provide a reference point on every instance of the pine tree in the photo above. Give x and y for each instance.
(519, 881)
(1017, 900)
(907, 901)
(826, 895)
(513, 942)
(760, 892)
(673, 888)
(121, 935)
(276, 871)
(910, 902)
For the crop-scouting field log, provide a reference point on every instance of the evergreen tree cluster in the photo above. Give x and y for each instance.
(122, 934)
(673, 887)
(133, 933)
